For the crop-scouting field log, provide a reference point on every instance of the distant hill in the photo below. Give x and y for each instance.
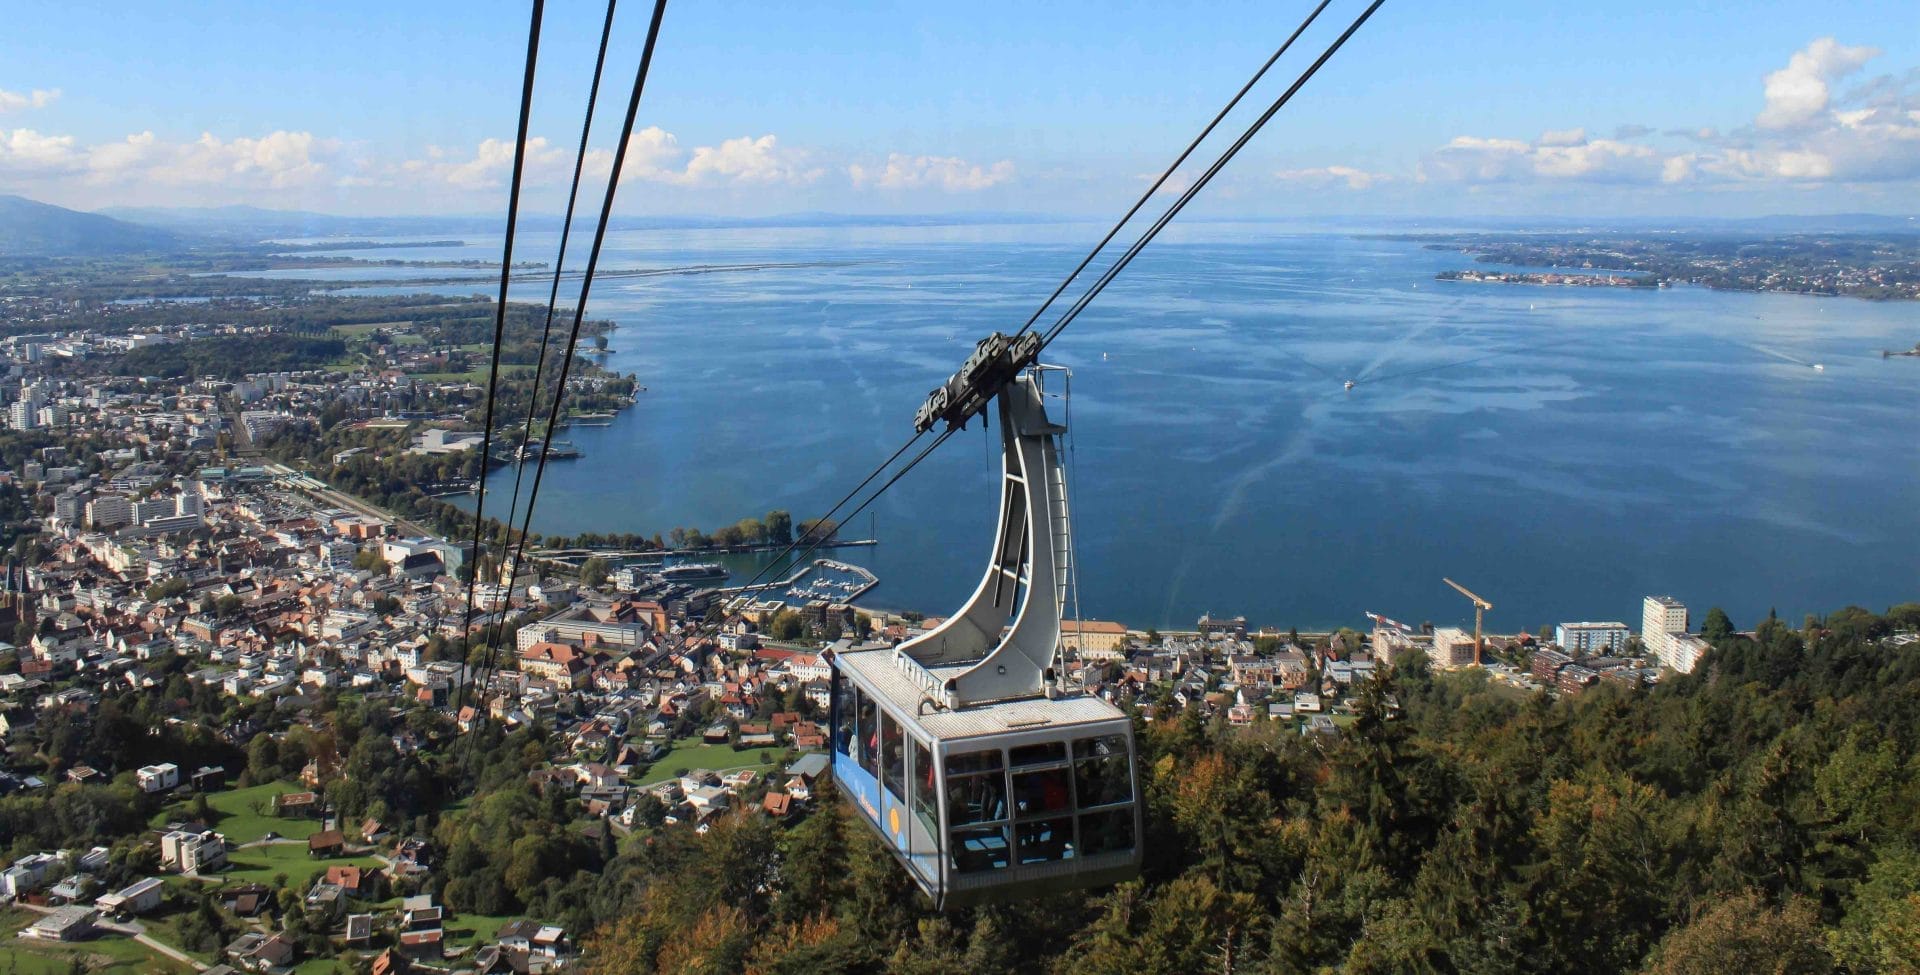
(249, 224)
(32, 229)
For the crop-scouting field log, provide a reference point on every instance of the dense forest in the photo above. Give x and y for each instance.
(229, 356)
(1759, 815)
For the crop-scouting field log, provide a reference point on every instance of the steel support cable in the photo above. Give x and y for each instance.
(1108, 276)
(1186, 197)
(1126, 258)
(837, 505)
(586, 288)
(559, 267)
(1155, 188)
(822, 537)
(500, 324)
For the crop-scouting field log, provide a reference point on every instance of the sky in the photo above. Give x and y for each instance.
(1064, 107)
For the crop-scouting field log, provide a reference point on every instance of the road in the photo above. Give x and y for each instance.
(321, 491)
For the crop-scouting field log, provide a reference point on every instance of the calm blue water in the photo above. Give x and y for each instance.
(1561, 451)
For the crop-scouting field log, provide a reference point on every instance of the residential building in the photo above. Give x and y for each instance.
(1452, 648)
(193, 853)
(64, 924)
(109, 511)
(158, 778)
(136, 898)
(1684, 651)
(1660, 618)
(1591, 639)
(1093, 639)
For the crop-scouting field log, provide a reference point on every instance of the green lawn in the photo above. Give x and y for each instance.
(238, 820)
(476, 929)
(475, 375)
(107, 953)
(165, 928)
(354, 330)
(259, 864)
(692, 753)
(342, 965)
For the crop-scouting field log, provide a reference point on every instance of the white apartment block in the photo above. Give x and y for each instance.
(109, 511)
(1661, 619)
(1591, 638)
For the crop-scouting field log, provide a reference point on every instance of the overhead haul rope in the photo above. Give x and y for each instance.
(553, 296)
(586, 283)
(1199, 184)
(1168, 172)
(778, 559)
(559, 266)
(1133, 251)
(500, 317)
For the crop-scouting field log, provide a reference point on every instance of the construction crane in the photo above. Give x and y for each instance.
(1480, 606)
(1384, 621)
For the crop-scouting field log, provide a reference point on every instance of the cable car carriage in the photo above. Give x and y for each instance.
(959, 746)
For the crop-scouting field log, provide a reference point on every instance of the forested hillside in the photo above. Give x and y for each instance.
(1761, 815)
(32, 229)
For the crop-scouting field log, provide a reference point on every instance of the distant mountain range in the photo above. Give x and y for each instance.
(254, 223)
(32, 229)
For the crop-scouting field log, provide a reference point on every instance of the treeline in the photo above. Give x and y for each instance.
(776, 528)
(231, 356)
(1759, 815)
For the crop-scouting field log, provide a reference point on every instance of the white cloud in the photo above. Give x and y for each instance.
(747, 160)
(1556, 156)
(1799, 138)
(277, 161)
(490, 165)
(1799, 93)
(654, 155)
(27, 151)
(949, 173)
(13, 101)
(1354, 179)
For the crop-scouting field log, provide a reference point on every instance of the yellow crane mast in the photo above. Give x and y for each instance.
(1480, 606)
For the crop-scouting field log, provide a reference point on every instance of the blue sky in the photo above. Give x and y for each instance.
(350, 107)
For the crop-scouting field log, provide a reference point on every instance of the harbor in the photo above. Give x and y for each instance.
(857, 583)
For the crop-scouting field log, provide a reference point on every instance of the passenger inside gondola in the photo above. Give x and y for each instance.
(843, 718)
(869, 735)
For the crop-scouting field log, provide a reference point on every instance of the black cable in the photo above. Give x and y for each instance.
(1186, 197)
(1125, 259)
(837, 505)
(500, 324)
(820, 538)
(586, 283)
(1155, 188)
(559, 265)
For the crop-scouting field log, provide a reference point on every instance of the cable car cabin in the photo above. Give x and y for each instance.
(1010, 798)
(959, 746)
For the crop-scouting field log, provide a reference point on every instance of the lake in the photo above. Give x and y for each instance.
(1561, 451)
